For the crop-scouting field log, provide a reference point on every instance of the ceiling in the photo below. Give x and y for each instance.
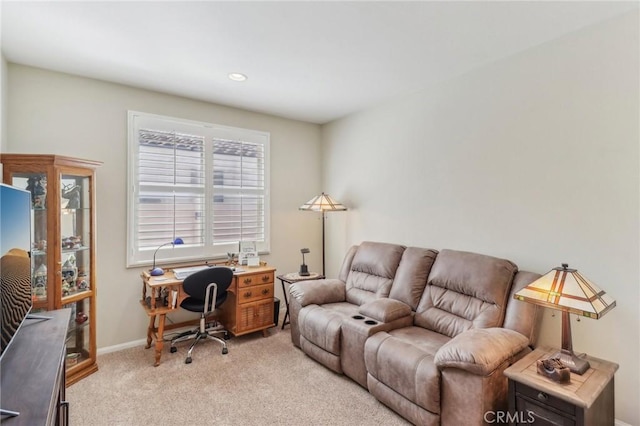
(311, 61)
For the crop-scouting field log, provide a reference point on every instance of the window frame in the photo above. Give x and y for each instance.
(136, 257)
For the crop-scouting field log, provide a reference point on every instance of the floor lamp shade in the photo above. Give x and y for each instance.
(566, 290)
(322, 203)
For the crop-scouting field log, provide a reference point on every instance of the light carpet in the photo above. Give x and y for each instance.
(262, 380)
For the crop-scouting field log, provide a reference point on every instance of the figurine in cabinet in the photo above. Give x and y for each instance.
(37, 185)
(40, 281)
(71, 193)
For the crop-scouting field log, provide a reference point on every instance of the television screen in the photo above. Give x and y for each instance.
(15, 264)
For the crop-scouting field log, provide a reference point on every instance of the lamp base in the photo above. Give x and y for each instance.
(576, 364)
(304, 270)
(156, 271)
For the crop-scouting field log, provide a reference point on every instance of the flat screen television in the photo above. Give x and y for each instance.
(15, 263)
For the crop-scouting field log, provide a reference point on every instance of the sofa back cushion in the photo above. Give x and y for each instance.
(346, 264)
(411, 276)
(521, 316)
(372, 270)
(464, 291)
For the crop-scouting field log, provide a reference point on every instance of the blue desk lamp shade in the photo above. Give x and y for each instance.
(159, 271)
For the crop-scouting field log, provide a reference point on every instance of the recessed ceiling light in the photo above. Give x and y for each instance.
(236, 76)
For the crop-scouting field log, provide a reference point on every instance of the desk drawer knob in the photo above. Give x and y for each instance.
(265, 278)
(543, 396)
(247, 280)
(247, 294)
(265, 291)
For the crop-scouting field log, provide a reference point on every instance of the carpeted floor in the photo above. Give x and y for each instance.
(261, 381)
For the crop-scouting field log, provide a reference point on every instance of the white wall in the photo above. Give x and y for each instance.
(57, 113)
(534, 158)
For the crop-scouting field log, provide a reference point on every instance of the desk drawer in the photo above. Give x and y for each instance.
(255, 279)
(258, 292)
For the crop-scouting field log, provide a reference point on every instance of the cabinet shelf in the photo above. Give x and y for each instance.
(63, 244)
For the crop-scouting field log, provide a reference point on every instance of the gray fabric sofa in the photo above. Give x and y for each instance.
(428, 333)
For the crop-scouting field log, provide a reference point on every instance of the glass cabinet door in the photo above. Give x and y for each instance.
(79, 335)
(75, 232)
(36, 183)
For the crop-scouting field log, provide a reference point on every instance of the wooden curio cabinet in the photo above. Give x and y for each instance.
(63, 246)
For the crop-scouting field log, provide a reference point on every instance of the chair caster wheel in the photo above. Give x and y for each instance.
(188, 360)
(173, 349)
(225, 351)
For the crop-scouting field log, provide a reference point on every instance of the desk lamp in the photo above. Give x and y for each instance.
(304, 269)
(566, 290)
(158, 271)
(322, 203)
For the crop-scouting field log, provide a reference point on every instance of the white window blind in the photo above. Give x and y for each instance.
(239, 184)
(203, 183)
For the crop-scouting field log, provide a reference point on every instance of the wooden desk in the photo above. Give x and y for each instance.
(248, 308)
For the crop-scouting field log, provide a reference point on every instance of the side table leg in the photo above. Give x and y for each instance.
(152, 325)
(160, 339)
(286, 304)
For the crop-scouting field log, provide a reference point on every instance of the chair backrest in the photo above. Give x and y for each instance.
(195, 285)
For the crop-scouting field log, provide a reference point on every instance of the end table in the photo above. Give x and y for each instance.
(586, 399)
(291, 278)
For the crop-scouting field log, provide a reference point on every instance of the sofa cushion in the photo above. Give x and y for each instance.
(465, 291)
(411, 276)
(403, 360)
(318, 292)
(385, 310)
(321, 325)
(480, 351)
(372, 271)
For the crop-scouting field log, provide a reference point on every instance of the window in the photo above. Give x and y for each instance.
(204, 183)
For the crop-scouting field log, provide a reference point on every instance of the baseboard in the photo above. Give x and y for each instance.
(122, 346)
(620, 423)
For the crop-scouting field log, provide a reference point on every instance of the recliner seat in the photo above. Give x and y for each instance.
(370, 269)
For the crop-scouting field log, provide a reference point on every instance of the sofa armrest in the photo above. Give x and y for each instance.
(385, 310)
(480, 351)
(318, 292)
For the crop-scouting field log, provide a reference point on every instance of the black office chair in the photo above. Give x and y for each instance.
(207, 290)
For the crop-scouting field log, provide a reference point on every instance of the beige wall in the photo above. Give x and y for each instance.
(3, 104)
(62, 114)
(3, 98)
(534, 158)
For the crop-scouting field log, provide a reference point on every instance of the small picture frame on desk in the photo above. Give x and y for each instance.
(247, 249)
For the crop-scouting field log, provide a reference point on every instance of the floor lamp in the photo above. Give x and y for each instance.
(322, 203)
